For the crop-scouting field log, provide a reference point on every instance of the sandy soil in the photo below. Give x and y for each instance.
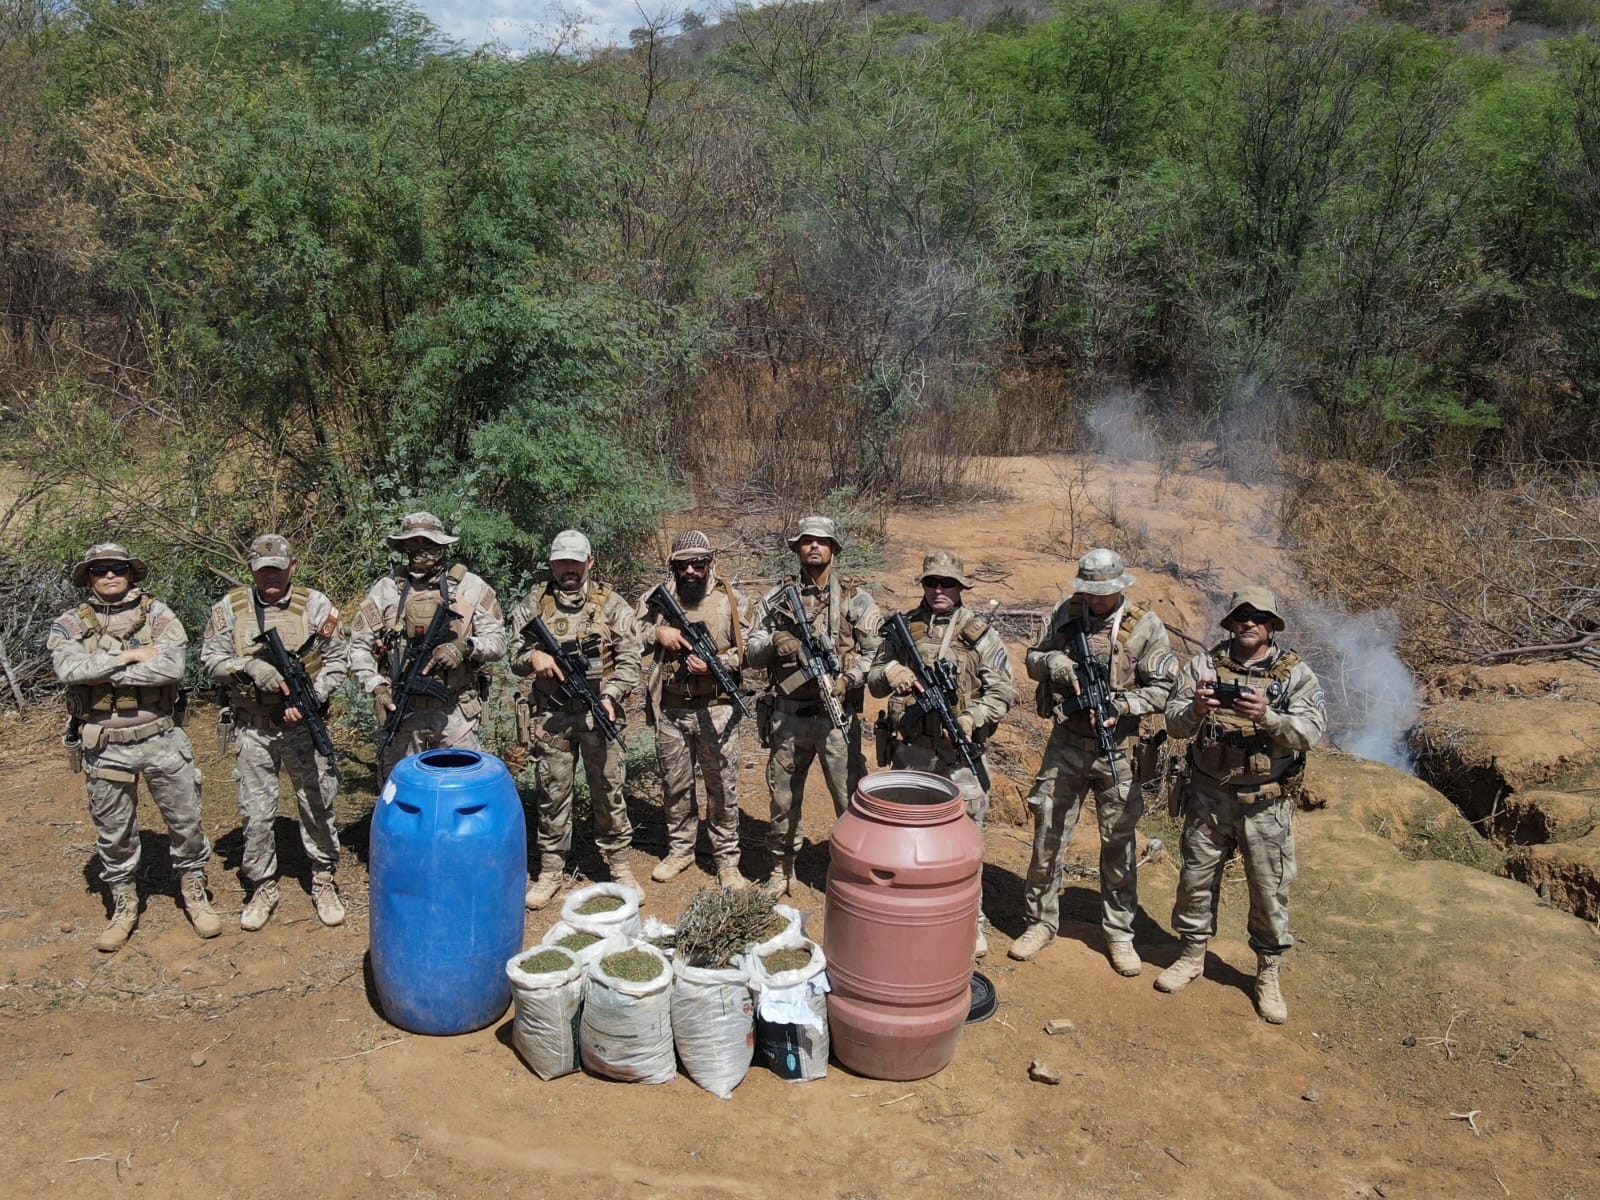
(258, 1065)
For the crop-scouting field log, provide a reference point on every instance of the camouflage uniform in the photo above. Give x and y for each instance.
(309, 626)
(986, 693)
(1242, 783)
(560, 733)
(1131, 643)
(697, 725)
(846, 617)
(397, 611)
(127, 726)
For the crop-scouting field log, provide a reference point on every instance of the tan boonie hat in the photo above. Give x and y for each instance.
(108, 552)
(944, 564)
(690, 544)
(271, 550)
(571, 546)
(421, 525)
(1259, 598)
(1101, 573)
(817, 527)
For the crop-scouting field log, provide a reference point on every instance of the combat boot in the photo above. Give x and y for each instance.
(1269, 992)
(124, 917)
(981, 946)
(1124, 958)
(671, 867)
(198, 905)
(552, 868)
(728, 877)
(781, 880)
(1190, 966)
(1034, 939)
(325, 896)
(258, 909)
(622, 873)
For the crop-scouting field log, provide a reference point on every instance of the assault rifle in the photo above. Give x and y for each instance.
(938, 682)
(701, 644)
(410, 679)
(1094, 693)
(817, 659)
(302, 693)
(575, 685)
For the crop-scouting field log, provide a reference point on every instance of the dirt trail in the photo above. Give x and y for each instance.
(303, 1088)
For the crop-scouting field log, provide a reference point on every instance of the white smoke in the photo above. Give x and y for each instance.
(1122, 427)
(1372, 700)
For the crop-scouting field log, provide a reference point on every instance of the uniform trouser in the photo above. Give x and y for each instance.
(939, 759)
(708, 738)
(796, 742)
(1073, 767)
(263, 750)
(455, 727)
(167, 763)
(560, 739)
(1214, 823)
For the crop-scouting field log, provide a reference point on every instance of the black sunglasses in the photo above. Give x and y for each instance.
(102, 569)
(697, 564)
(1251, 616)
(943, 582)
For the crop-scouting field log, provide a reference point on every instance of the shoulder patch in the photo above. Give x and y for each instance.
(972, 632)
(331, 625)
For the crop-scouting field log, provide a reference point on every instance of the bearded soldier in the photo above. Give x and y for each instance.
(590, 619)
(804, 723)
(397, 614)
(943, 629)
(1130, 649)
(121, 655)
(269, 732)
(1253, 710)
(697, 724)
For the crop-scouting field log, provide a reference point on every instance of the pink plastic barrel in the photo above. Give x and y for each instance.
(904, 886)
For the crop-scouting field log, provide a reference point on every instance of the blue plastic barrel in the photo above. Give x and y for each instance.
(449, 869)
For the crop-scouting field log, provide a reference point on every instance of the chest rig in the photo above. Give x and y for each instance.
(112, 633)
(1231, 748)
(955, 641)
(251, 619)
(585, 630)
(1108, 648)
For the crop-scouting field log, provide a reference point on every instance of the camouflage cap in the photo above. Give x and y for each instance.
(818, 527)
(421, 525)
(1101, 573)
(571, 546)
(944, 564)
(1259, 598)
(271, 550)
(689, 545)
(108, 552)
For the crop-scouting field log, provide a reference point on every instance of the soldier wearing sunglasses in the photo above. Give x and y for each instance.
(1253, 709)
(121, 654)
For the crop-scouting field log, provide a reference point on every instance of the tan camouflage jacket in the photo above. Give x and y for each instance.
(574, 616)
(1142, 667)
(722, 610)
(838, 611)
(304, 615)
(983, 668)
(1225, 742)
(483, 630)
(85, 643)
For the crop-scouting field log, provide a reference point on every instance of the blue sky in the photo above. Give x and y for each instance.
(519, 23)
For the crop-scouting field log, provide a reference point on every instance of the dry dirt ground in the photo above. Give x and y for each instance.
(258, 1065)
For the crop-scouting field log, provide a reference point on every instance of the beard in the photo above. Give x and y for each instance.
(692, 589)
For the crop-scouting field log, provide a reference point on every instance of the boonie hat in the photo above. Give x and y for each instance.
(1101, 573)
(571, 546)
(421, 525)
(817, 527)
(271, 550)
(108, 552)
(944, 564)
(690, 544)
(1259, 598)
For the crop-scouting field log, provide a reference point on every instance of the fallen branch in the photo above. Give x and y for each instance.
(1572, 647)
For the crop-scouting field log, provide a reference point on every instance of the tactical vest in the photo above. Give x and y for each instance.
(1231, 748)
(1121, 666)
(99, 701)
(588, 626)
(829, 618)
(291, 627)
(701, 690)
(962, 651)
(417, 606)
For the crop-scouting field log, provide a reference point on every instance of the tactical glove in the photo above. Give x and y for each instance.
(447, 658)
(786, 645)
(382, 700)
(1063, 673)
(902, 679)
(964, 723)
(264, 675)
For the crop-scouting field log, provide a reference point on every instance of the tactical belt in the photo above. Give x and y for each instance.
(135, 733)
(717, 700)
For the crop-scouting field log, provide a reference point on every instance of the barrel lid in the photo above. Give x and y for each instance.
(984, 999)
(909, 798)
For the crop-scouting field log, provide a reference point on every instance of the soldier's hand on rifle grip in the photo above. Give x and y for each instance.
(786, 645)
(445, 658)
(902, 679)
(544, 665)
(671, 639)
(697, 665)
